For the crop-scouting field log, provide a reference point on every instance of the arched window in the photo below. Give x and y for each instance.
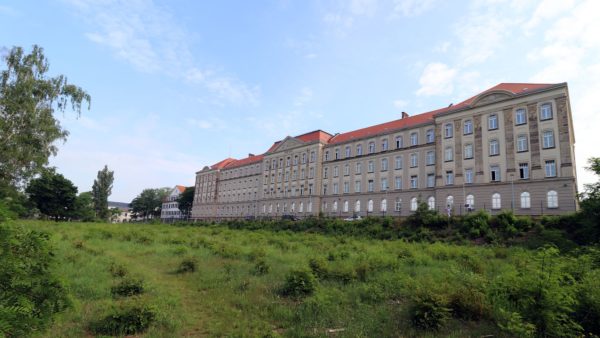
(413, 204)
(431, 202)
(448, 130)
(398, 205)
(370, 206)
(384, 205)
(293, 208)
(450, 201)
(284, 207)
(430, 136)
(525, 200)
(264, 208)
(358, 150)
(552, 199)
(270, 208)
(470, 201)
(371, 147)
(496, 201)
(357, 206)
(301, 209)
(309, 209)
(334, 206)
(345, 206)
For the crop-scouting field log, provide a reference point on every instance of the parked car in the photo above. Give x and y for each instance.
(353, 218)
(290, 217)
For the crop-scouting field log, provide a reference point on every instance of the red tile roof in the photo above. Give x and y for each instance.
(222, 164)
(181, 188)
(514, 88)
(244, 161)
(317, 135)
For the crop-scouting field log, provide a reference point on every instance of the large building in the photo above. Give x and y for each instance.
(170, 207)
(509, 147)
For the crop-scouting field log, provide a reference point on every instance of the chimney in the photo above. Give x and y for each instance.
(404, 114)
(250, 155)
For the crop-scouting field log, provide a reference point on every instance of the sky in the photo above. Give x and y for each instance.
(177, 85)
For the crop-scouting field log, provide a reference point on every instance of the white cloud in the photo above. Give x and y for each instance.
(400, 104)
(548, 9)
(412, 7)
(436, 79)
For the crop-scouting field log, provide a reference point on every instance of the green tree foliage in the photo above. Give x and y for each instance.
(590, 205)
(84, 207)
(148, 204)
(30, 294)
(53, 194)
(28, 100)
(186, 200)
(101, 189)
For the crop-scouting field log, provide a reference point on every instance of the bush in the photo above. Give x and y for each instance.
(477, 224)
(469, 304)
(298, 283)
(318, 268)
(187, 265)
(128, 287)
(30, 293)
(117, 270)
(125, 320)
(261, 268)
(429, 311)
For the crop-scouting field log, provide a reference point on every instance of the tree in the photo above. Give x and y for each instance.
(148, 203)
(83, 209)
(101, 189)
(28, 100)
(590, 205)
(186, 200)
(53, 194)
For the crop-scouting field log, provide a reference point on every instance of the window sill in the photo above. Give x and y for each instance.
(553, 147)
(522, 151)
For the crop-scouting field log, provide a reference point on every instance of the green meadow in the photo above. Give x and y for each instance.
(214, 281)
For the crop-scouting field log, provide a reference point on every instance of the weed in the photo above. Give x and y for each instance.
(187, 265)
(298, 283)
(429, 311)
(125, 320)
(260, 268)
(128, 287)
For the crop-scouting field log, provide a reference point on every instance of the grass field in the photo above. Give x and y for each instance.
(363, 288)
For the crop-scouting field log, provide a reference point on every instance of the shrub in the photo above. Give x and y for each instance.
(117, 270)
(261, 268)
(298, 283)
(477, 224)
(128, 287)
(318, 268)
(469, 304)
(125, 320)
(429, 311)
(587, 313)
(187, 265)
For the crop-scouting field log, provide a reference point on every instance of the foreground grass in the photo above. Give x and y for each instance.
(365, 287)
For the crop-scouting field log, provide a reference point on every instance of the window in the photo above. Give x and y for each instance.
(384, 145)
(398, 142)
(522, 144)
(313, 156)
(448, 130)
(430, 180)
(429, 136)
(335, 189)
(524, 171)
(296, 158)
(468, 151)
(493, 122)
(449, 201)
(413, 204)
(398, 162)
(548, 139)
(335, 206)
(348, 151)
(325, 171)
(414, 182)
(357, 186)
(371, 166)
(414, 139)
(520, 116)
(359, 150)
(301, 209)
(550, 168)
(371, 147)
(431, 202)
(398, 204)
(398, 183)
(413, 160)
(311, 172)
(468, 127)
(430, 158)
(496, 201)
(336, 172)
(468, 175)
(470, 201)
(337, 154)
(384, 164)
(287, 162)
(546, 111)
(346, 170)
(324, 189)
(494, 147)
(370, 206)
(495, 173)
(304, 158)
(358, 168)
(525, 200)
(552, 199)
(384, 184)
(326, 156)
(357, 206)
(448, 154)
(449, 177)
(384, 205)
(345, 206)
(346, 187)
(370, 186)
(302, 176)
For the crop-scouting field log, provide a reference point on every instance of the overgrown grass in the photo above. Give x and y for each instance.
(284, 283)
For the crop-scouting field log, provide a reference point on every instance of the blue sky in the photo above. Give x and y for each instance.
(177, 85)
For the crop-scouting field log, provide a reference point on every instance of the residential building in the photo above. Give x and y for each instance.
(509, 147)
(170, 208)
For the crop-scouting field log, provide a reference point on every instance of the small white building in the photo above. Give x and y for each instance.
(170, 208)
(124, 214)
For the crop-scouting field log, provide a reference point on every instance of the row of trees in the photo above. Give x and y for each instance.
(148, 204)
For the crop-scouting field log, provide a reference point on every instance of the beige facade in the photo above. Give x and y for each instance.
(510, 147)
